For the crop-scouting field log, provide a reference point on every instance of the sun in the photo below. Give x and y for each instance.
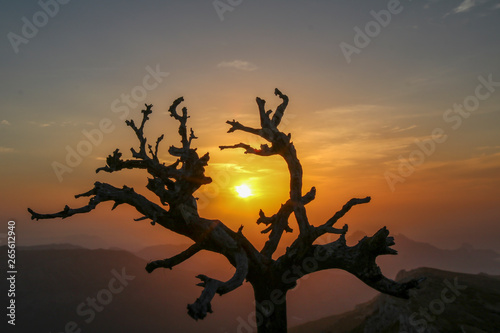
(244, 191)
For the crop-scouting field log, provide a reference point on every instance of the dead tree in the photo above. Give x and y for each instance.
(176, 184)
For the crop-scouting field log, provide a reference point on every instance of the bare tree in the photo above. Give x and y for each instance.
(175, 186)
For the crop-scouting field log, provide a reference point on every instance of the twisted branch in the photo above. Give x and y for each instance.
(175, 260)
(327, 227)
(199, 309)
(359, 260)
(103, 192)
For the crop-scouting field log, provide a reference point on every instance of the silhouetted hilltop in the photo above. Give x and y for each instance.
(413, 254)
(447, 302)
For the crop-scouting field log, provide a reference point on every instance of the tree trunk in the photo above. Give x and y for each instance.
(270, 307)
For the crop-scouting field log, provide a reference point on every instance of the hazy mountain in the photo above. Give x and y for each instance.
(413, 254)
(83, 240)
(55, 287)
(447, 302)
(334, 291)
(60, 246)
(53, 280)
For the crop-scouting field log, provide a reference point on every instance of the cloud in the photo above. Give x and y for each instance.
(61, 123)
(6, 150)
(230, 167)
(42, 124)
(398, 129)
(488, 148)
(238, 64)
(5, 122)
(465, 6)
(472, 169)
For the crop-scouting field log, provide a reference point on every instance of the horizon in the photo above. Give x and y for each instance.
(94, 242)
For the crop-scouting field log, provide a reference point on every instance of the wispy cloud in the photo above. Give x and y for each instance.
(471, 169)
(52, 123)
(230, 166)
(488, 148)
(238, 64)
(6, 150)
(61, 124)
(5, 122)
(398, 129)
(465, 6)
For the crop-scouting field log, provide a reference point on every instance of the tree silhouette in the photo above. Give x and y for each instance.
(175, 185)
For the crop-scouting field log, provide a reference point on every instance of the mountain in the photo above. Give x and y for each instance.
(413, 254)
(324, 288)
(203, 261)
(109, 291)
(58, 246)
(82, 240)
(446, 302)
(53, 280)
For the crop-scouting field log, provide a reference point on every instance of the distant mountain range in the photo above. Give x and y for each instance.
(447, 302)
(466, 259)
(55, 280)
(109, 291)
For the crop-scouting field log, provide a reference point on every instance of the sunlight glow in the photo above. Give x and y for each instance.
(244, 191)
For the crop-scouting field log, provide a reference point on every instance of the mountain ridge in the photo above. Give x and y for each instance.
(446, 302)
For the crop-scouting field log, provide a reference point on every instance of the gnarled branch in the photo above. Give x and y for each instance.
(263, 151)
(175, 260)
(328, 226)
(103, 192)
(280, 144)
(199, 309)
(280, 110)
(359, 260)
(139, 131)
(279, 222)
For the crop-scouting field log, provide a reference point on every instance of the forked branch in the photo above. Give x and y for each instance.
(199, 309)
(327, 227)
(103, 192)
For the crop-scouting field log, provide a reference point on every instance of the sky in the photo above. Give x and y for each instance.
(397, 100)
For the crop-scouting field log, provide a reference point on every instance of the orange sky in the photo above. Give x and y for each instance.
(352, 123)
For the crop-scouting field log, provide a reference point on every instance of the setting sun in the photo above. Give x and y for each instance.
(244, 191)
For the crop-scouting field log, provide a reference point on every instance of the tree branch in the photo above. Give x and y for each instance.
(115, 163)
(359, 260)
(282, 145)
(182, 126)
(328, 226)
(140, 133)
(280, 110)
(263, 151)
(265, 122)
(103, 192)
(279, 223)
(175, 260)
(199, 309)
(236, 126)
(155, 153)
